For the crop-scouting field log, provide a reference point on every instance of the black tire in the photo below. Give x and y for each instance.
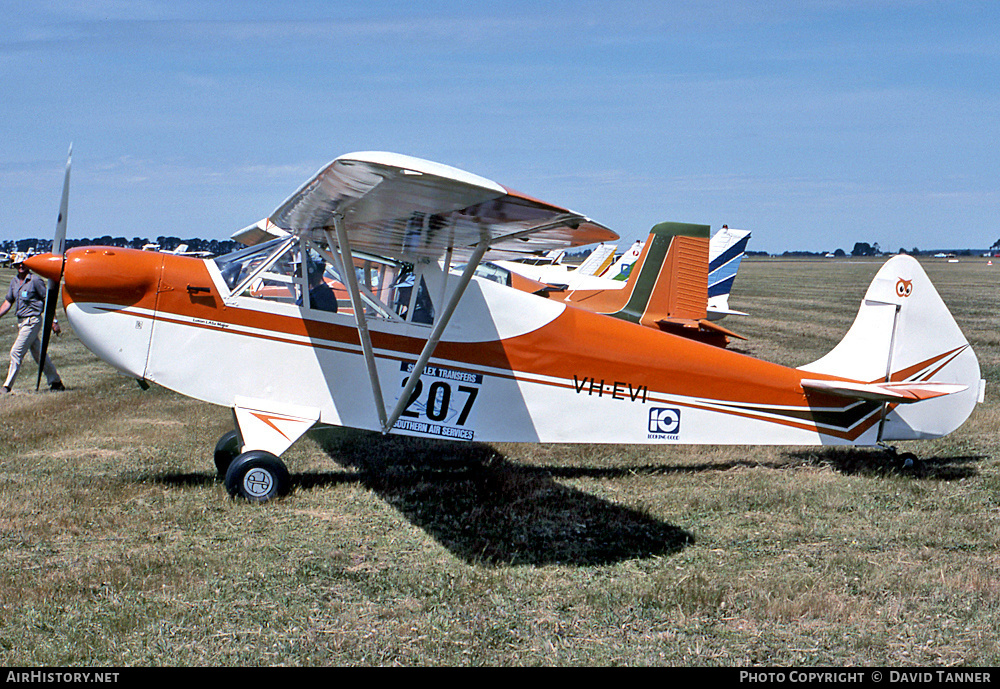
(226, 451)
(257, 476)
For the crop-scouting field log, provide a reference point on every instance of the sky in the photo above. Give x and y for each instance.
(813, 123)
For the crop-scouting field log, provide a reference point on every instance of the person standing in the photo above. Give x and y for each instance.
(26, 295)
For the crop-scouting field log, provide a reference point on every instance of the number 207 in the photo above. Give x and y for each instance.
(439, 400)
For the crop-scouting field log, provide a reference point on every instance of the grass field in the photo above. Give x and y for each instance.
(118, 547)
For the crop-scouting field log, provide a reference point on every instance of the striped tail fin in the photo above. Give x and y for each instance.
(667, 288)
(598, 261)
(726, 250)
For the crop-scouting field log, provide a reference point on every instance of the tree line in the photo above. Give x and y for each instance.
(34, 245)
(217, 247)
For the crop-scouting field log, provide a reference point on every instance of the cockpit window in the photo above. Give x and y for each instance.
(235, 266)
(415, 308)
(494, 273)
(273, 271)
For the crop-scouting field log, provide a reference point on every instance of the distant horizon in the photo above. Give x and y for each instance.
(195, 242)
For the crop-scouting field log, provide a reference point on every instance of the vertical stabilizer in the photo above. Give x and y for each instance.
(668, 280)
(598, 261)
(622, 268)
(725, 252)
(904, 333)
(680, 290)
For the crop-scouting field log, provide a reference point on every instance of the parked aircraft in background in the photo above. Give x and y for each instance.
(724, 256)
(725, 252)
(181, 250)
(422, 351)
(551, 271)
(667, 287)
(622, 266)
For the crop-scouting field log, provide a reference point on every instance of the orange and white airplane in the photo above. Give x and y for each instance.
(666, 288)
(417, 349)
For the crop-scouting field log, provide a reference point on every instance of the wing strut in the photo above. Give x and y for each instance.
(351, 277)
(439, 325)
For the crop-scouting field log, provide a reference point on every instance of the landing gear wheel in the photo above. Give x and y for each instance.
(904, 460)
(908, 459)
(257, 476)
(226, 451)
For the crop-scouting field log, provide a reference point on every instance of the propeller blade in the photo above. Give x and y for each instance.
(52, 294)
(51, 301)
(59, 241)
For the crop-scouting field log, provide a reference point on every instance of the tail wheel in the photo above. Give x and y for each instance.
(908, 460)
(226, 450)
(257, 476)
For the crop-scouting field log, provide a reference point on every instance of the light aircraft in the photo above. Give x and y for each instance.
(725, 252)
(181, 250)
(421, 351)
(551, 271)
(666, 289)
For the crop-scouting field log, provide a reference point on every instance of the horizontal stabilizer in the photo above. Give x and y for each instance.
(715, 313)
(902, 393)
(698, 324)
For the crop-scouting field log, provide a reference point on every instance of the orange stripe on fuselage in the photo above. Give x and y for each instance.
(576, 345)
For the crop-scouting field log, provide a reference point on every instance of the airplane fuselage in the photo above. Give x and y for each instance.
(511, 366)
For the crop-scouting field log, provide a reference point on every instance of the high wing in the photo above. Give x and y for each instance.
(419, 211)
(404, 207)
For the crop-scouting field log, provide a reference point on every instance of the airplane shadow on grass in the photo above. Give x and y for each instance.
(484, 508)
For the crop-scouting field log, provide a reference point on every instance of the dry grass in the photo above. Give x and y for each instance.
(120, 548)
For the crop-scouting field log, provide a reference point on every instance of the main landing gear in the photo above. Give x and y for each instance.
(226, 451)
(256, 475)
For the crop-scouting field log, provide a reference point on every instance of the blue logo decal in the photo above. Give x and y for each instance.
(665, 420)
